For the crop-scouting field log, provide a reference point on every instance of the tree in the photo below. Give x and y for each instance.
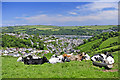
(41, 46)
(34, 45)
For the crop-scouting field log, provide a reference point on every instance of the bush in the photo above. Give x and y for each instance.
(48, 55)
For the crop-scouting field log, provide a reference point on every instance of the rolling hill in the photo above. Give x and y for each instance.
(58, 30)
(109, 42)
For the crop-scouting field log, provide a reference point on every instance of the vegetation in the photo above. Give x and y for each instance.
(73, 69)
(103, 42)
(56, 30)
(109, 42)
(89, 46)
(110, 49)
(12, 41)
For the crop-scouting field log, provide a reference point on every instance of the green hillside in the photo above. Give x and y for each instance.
(99, 27)
(88, 46)
(109, 42)
(110, 49)
(100, 43)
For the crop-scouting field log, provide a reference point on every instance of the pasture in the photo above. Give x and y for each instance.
(107, 42)
(88, 45)
(99, 27)
(74, 69)
(54, 28)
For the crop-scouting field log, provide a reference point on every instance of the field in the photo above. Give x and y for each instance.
(99, 27)
(103, 46)
(74, 69)
(88, 45)
(65, 27)
(108, 42)
(58, 30)
(108, 49)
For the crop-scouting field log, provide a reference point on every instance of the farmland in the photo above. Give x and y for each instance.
(88, 45)
(59, 30)
(101, 43)
(108, 42)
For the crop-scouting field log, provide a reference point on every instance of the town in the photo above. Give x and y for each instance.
(53, 44)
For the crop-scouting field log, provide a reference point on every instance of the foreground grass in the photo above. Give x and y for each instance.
(74, 69)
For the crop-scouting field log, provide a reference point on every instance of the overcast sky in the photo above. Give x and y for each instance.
(59, 13)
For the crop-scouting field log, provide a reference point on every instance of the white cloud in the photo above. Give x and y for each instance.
(73, 13)
(96, 6)
(78, 7)
(59, 15)
(100, 5)
(43, 19)
(99, 15)
(14, 24)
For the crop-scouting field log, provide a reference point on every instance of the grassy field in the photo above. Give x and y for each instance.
(108, 42)
(104, 45)
(58, 30)
(88, 45)
(46, 27)
(99, 27)
(108, 49)
(90, 27)
(74, 69)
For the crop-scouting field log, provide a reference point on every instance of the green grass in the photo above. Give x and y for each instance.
(108, 49)
(107, 42)
(88, 45)
(74, 69)
(56, 28)
(99, 27)
(91, 27)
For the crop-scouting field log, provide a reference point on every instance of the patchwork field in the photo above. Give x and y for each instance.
(58, 30)
(74, 69)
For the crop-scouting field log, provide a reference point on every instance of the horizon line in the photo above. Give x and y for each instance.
(63, 25)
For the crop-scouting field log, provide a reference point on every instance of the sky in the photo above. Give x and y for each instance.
(59, 13)
(60, 0)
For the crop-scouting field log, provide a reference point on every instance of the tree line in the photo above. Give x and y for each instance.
(61, 31)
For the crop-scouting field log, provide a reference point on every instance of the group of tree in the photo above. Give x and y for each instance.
(60, 31)
(104, 36)
(12, 41)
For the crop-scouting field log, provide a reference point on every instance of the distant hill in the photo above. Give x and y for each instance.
(59, 30)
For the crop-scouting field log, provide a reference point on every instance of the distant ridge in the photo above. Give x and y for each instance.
(59, 30)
